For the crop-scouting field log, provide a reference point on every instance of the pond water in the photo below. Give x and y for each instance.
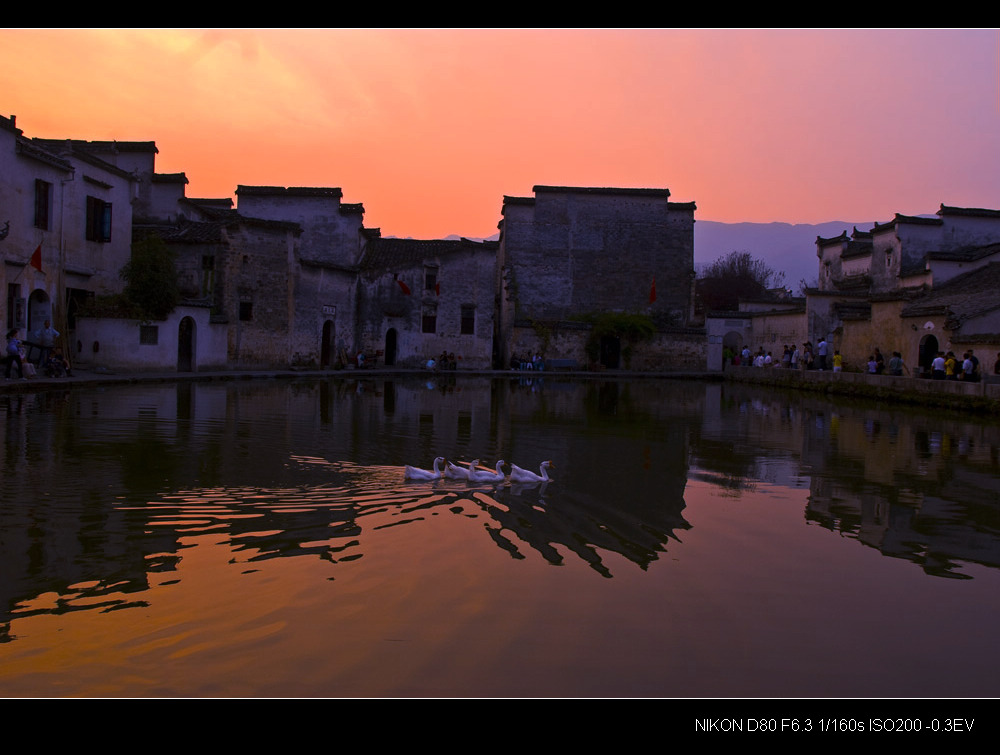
(257, 538)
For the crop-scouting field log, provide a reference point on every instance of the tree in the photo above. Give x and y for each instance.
(735, 276)
(151, 278)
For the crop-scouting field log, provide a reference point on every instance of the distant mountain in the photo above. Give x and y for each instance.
(786, 247)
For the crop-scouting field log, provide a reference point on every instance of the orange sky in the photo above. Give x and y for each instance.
(430, 128)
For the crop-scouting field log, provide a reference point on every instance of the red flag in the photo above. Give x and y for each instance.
(437, 289)
(652, 292)
(403, 287)
(36, 259)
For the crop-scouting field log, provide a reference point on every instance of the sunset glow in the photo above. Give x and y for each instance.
(429, 129)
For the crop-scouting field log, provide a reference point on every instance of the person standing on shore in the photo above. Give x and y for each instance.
(821, 349)
(46, 339)
(937, 367)
(14, 354)
(896, 365)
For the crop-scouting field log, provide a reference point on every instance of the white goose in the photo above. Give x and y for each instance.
(455, 472)
(482, 475)
(517, 474)
(415, 473)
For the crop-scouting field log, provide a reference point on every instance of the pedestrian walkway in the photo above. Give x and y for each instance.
(82, 377)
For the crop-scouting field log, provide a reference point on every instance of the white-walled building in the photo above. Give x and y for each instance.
(68, 219)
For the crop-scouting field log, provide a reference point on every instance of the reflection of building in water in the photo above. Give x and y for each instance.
(928, 495)
(915, 486)
(130, 475)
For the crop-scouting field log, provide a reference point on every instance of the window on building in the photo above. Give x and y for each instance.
(15, 306)
(246, 310)
(430, 278)
(207, 274)
(149, 335)
(43, 201)
(98, 220)
(76, 298)
(468, 327)
(429, 322)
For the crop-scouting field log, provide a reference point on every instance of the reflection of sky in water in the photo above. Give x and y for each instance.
(695, 540)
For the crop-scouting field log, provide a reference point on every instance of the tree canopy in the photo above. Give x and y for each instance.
(734, 276)
(151, 278)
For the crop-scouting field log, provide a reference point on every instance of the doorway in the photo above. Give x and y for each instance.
(185, 345)
(389, 358)
(326, 344)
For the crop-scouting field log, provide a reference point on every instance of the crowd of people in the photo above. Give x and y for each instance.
(446, 361)
(50, 361)
(809, 357)
(527, 362)
(945, 366)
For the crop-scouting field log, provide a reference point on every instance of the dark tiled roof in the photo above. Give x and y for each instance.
(183, 232)
(965, 255)
(855, 283)
(855, 249)
(853, 310)
(79, 149)
(663, 193)
(7, 124)
(820, 241)
(969, 211)
(899, 219)
(116, 147)
(352, 209)
(291, 191)
(968, 295)
(916, 220)
(524, 201)
(208, 231)
(169, 178)
(391, 253)
(221, 203)
(33, 151)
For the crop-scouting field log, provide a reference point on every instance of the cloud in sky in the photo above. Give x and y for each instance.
(430, 128)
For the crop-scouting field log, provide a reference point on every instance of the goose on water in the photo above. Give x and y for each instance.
(482, 475)
(517, 474)
(415, 473)
(456, 472)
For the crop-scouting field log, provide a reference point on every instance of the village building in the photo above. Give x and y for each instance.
(420, 299)
(65, 233)
(915, 285)
(570, 254)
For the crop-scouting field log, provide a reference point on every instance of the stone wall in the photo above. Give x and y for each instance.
(257, 298)
(411, 317)
(574, 251)
(119, 344)
(679, 350)
(569, 252)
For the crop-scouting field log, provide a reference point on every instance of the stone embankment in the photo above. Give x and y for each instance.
(977, 396)
(981, 396)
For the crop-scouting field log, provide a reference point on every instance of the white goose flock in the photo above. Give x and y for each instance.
(473, 473)
(415, 473)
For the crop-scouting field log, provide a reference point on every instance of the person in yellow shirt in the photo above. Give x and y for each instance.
(838, 362)
(950, 364)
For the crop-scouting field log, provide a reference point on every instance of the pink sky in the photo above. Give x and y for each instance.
(430, 128)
